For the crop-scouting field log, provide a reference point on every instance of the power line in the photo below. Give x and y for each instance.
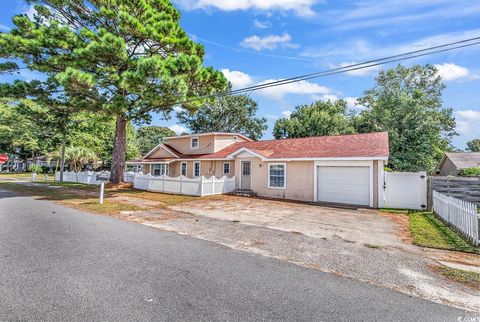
(353, 67)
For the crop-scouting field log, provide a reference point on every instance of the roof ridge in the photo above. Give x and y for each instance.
(320, 136)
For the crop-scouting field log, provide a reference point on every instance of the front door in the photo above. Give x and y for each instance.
(246, 178)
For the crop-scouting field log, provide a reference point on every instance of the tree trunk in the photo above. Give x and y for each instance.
(62, 160)
(119, 146)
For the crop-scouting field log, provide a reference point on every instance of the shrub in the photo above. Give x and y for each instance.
(470, 172)
(35, 168)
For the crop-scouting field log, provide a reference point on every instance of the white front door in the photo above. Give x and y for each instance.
(347, 185)
(246, 175)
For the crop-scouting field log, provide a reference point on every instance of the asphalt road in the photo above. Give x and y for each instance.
(62, 264)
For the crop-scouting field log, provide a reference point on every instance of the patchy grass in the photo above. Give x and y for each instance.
(16, 175)
(471, 279)
(165, 198)
(428, 231)
(372, 246)
(107, 208)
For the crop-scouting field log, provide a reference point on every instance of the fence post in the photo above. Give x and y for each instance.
(163, 182)
(213, 184)
(201, 186)
(181, 183)
(429, 194)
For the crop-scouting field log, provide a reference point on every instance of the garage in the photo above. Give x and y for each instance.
(344, 184)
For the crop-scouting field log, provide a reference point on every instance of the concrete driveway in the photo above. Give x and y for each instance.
(362, 226)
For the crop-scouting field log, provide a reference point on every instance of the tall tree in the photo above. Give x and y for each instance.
(473, 145)
(318, 118)
(148, 137)
(235, 114)
(407, 103)
(133, 56)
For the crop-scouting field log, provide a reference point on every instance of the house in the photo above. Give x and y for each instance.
(453, 162)
(347, 169)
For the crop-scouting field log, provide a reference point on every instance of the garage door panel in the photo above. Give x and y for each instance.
(349, 185)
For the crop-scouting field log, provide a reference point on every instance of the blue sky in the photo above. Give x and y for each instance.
(254, 41)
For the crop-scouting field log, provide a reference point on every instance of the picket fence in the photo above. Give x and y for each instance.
(201, 186)
(459, 214)
(90, 177)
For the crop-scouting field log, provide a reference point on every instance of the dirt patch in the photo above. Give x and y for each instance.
(401, 221)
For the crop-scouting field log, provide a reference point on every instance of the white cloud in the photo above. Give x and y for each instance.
(5, 28)
(268, 42)
(357, 72)
(286, 114)
(367, 13)
(299, 88)
(237, 78)
(359, 49)
(450, 72)
(30, 11)
(467, 122)
(300, 7)
(178, 129)
(261, 24)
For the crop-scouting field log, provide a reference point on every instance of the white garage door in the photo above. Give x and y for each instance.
(348, 185)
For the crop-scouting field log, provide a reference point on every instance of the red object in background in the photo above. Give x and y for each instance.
(3, 158)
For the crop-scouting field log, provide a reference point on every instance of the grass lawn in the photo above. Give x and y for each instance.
(471, 279)
(428, 231)
(19, 175)
(85, 197)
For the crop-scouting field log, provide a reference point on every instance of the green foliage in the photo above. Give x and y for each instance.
(79, 156)
(148, 137)
(319, 118)
(130, 58)
(473, 145)
(22, 131)
(35, 168)
(233, 114)
(406, 102)
(470, 172)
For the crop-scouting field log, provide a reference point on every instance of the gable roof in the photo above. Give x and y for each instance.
(336, 146)
(462, 160)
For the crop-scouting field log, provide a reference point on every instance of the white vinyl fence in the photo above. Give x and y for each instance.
(90, 177)
(461, 215)
(201, 186)
(405, 190)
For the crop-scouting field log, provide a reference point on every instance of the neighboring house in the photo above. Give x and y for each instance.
(453, 162)
(335, 169)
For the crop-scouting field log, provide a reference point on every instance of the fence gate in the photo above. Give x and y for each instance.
(405, 190)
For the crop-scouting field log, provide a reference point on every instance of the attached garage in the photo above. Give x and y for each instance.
(344, 184)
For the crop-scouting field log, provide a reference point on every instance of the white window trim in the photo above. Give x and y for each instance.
(285, 175)
(186, 169)
(223, 168)
(191, 142)
(167, 169)
(199, 169)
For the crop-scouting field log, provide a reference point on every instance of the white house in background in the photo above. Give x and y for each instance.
(345, 169)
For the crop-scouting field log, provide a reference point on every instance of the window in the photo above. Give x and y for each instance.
(183, 168)
(196, 169)
(160, 169)
(194, 143)
(277, 175)
(226, 168)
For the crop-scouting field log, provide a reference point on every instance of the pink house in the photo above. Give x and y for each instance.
(346, 169)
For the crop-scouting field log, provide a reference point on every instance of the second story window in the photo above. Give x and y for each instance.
(194, 143)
